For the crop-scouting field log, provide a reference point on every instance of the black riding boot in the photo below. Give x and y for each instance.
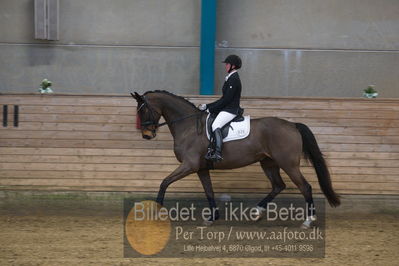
(211, 148)
(217, 155)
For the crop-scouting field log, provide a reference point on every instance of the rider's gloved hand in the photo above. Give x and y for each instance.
(202, 107)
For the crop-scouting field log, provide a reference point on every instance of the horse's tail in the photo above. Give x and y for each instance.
(312, 152)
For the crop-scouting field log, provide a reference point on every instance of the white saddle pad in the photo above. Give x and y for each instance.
(238, 130)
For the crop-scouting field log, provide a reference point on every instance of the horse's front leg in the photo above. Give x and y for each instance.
(207, 184)
(180, 172)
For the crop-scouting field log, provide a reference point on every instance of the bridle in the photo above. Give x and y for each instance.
(151, 121)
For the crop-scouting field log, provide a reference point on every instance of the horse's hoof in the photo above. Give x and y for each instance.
(207, 222)
(309, 222)
(259, 213)
(305, 226)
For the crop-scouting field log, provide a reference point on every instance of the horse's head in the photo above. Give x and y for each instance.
(147, 116)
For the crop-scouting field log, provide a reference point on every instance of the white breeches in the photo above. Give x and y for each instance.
(222, 119)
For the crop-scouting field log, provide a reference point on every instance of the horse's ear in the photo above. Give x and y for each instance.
(136, 96)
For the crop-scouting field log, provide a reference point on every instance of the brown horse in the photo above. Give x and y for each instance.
(275, 143)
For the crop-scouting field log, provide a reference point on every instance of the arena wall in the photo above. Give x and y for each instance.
(90, 143)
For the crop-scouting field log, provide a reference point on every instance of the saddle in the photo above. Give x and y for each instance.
(236, 129)
(225, 129)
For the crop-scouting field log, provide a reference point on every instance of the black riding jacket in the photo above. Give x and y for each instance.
(230, 100)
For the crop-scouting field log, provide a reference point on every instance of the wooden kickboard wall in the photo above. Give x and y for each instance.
(90, 143)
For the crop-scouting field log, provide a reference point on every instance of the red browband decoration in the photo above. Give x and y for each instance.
(138, 121)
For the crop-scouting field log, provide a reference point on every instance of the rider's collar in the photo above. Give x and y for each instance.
(231, 73)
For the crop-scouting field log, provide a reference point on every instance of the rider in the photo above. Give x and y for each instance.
(227, 107)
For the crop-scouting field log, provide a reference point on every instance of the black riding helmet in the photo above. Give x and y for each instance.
(233, 60)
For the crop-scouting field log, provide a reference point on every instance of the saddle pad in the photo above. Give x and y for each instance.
(237, 130)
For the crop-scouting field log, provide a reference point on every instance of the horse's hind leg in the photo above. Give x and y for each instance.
(306, 189)
(272, 171)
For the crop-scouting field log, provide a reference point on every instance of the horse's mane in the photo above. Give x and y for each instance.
(173, 95)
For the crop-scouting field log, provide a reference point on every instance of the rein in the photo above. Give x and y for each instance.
(158, 125)
(179, 119)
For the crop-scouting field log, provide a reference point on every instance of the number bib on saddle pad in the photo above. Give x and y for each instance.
(233, 130)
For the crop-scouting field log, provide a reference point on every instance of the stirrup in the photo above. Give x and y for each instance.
(209, 154)
(215, 157)
(211, 149)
